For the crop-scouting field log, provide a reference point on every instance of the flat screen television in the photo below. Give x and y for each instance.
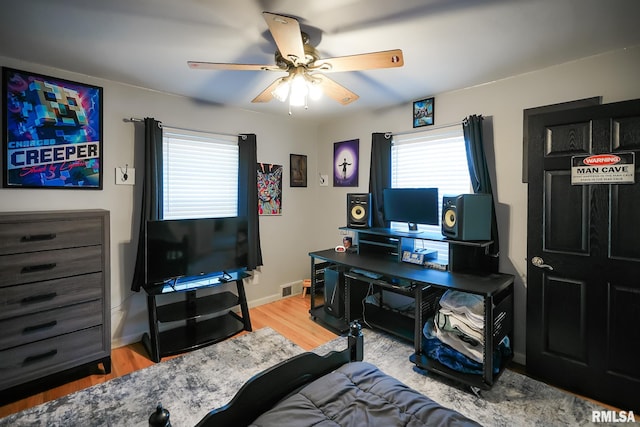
(411, 205)
(180, 248)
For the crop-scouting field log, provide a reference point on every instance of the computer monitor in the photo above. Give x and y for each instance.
(411, 205)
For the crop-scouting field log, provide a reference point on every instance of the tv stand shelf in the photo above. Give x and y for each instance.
(186, 310)
(207, 319)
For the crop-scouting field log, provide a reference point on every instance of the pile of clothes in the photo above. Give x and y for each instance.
(455, 335)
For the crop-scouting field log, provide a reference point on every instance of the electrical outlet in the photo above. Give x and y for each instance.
(125, 176)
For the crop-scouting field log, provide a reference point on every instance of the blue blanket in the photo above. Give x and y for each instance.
(437, 350)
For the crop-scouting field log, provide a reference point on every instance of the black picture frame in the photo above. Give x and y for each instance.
(297, 170)
(52, 132)
(424, 112)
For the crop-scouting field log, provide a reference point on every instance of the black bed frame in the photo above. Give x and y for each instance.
(264, 390)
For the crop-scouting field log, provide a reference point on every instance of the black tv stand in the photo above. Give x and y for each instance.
(206, 319)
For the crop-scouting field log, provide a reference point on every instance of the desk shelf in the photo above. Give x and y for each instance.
(463, 255)
(389, 321)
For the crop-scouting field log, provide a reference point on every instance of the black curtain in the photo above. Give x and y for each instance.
(151, 192)
(379, 175)
(479, 172)
(248, 195)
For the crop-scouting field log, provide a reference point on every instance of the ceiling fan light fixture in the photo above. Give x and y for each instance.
(299, 92)
(281, 92)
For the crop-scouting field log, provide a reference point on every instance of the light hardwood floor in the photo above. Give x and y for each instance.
(288, 316)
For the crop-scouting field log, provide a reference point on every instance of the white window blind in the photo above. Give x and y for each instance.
(431, 159)
(200, 175)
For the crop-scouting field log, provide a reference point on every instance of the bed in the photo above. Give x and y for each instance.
(337, 389)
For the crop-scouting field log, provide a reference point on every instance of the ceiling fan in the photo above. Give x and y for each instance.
(304, 66)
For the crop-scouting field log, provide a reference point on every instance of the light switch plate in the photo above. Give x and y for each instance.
(324, 180)
(125, 176)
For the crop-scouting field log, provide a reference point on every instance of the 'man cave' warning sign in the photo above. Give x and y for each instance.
(616, 168)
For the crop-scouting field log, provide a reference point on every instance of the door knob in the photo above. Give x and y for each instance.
(539, 262)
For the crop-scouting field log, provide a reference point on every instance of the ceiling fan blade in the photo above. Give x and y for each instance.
(266, 95)
(364, 61)
(286, 33)
(196, 65)
(332, 89)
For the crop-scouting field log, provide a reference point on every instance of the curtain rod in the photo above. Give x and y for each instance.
(409, 132)
(137, 120)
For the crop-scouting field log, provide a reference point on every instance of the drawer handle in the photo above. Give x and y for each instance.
(36, 268)
(39, 357)
(39, 298)
(38, 237)
(36, 328)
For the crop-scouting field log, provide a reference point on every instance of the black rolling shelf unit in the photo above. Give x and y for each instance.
(206, 319)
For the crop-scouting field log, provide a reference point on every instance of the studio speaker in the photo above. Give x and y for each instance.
(467, 217)
(359, 210)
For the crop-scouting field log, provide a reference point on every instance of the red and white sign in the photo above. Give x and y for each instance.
(609, 168)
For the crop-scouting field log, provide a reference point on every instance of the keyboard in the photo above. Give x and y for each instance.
(366, 273)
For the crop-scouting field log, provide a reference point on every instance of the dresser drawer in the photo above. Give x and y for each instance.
(27, 362)
(46, 324)
(37, 266)
(19, 300)
(19, 237)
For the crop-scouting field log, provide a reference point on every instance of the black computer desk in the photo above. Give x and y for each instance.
(425, 286)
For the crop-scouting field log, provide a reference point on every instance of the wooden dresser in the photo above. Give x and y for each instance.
(54, 293)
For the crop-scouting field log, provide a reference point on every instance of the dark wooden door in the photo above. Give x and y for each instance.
(583, 296)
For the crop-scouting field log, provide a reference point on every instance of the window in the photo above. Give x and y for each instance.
(200, 174)
(431, 159)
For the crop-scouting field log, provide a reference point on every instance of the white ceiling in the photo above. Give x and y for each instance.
(447, 44)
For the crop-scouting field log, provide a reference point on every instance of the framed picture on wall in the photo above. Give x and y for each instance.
(269, 189)
(297, 170)
(52, 132)
(423, 112)
(345, 163)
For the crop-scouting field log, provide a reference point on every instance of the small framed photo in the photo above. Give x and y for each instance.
(423, 112)
(52, 132)
(297, 170)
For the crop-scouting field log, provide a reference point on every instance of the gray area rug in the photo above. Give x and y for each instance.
(187, 386)
(514, 400)
(190, 385)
